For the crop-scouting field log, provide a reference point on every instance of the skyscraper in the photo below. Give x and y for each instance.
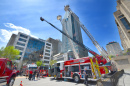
(122, 19)
(70, 24)
(113, 48)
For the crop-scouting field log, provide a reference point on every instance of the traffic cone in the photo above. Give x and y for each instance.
(21, 83)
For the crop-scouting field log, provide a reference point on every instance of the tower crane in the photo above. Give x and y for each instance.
(99, 48)
(100, 59)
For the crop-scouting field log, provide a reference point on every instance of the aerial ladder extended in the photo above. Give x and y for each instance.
(98, 57)
(99, 48)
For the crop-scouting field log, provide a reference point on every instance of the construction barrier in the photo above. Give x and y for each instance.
(112, 81)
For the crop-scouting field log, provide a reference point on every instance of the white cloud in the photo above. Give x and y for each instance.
(6, 34)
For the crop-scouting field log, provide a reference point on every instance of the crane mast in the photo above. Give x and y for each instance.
(99, 48)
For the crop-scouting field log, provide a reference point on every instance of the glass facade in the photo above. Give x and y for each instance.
(125, 23)
(34, 50)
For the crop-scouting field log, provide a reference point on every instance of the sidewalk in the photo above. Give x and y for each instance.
(125, 79)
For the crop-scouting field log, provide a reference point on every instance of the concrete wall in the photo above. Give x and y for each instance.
(122, 62)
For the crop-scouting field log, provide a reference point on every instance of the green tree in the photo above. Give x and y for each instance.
(10, 52)
(39, 63)
(52, 62)
(1, 52)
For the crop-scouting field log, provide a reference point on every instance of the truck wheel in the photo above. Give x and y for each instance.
(76, 78)
(11, 81)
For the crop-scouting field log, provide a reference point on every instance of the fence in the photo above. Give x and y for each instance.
(112, 81)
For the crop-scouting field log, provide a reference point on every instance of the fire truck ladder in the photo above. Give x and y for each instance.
(99, 48)
(74, 40)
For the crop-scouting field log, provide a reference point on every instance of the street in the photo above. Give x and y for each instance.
(48, 81)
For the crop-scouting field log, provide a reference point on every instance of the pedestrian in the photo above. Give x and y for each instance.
(86, 76)
(30, 74)
(38, 74)
(33, 76)
(27, 73)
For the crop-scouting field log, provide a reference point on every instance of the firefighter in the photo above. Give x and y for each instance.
(86, 76)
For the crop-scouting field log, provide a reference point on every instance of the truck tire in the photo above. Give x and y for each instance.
(11, 81)
(76, 78)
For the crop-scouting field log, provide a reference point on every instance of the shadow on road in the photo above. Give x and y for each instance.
(72, 81)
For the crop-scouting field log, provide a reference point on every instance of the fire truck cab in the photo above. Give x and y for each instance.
(75, 69)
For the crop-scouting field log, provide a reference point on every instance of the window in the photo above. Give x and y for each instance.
(48, 51)
(21, 35)
(120, 16)
(47, 47)
(48, 44)
(9, 65)
(46, 61)
(20, 39)
(47, 54)
(20, 48)
(18, 43)
(20, 53)
(47, 58)
(75, 68)
(125, 23)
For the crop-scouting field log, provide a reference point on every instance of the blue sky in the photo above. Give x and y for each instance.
(23, 15)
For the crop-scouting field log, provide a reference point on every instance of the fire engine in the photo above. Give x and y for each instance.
(7, 74)
(75, 69)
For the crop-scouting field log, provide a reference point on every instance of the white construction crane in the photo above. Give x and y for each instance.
(59, 17)
(99, 48)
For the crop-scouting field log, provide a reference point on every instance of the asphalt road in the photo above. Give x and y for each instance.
(49, 81)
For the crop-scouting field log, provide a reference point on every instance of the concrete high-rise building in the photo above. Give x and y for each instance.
(56, 46)
(113, 48)
(73, 29)
(31, 49)
(122, 19)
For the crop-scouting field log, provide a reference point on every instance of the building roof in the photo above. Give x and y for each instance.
(111, 42)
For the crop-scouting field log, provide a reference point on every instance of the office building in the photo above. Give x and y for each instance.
(56, 46)
(31, 49)
(113, 48)
(122, 19)
(73, 29)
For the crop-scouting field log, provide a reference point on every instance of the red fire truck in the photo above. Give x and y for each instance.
(7, 74)
(75, 69)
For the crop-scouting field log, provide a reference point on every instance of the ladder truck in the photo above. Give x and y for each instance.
(74, 68)
(99, 48)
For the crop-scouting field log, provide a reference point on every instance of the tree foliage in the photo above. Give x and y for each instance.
(9, 52)
(52, 62)
(40, 63)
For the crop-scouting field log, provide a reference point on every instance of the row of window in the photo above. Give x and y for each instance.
(18, 43)
(46, 61)
(23, 40)
(47, 54)
(19, 48)
(21, 35)
(125, 22)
